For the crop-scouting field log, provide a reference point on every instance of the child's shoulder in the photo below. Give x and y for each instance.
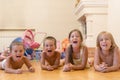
(24, 58)
(116, 48)
(57, 52)
(9, 59)
(84, 47)
(43, 53)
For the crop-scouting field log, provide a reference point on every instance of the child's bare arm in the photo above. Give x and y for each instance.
(57, 61)
(43, 66)
(116, 59)
(2, 56)
(14, 71)
(29, 65)
(9, 69)
(116, 62)
(97, 60)
(31, 69)
(67, 55)
(99, 66)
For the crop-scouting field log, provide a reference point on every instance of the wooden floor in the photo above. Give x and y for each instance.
(87, 74)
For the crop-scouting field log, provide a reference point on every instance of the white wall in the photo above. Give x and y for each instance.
(97, 24)
(114, 19)
(6, 37)
(94, 13)
(56, 17)
(12, 13)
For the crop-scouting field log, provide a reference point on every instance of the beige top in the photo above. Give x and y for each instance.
(79, 60)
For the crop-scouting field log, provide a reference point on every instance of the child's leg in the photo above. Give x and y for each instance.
(0, 65)
(62, 62)
(91, 61)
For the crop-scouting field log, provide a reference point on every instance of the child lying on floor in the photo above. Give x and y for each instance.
(15, 61)
(50, 59)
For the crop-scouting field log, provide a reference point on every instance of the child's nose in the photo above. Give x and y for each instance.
(49, 47)
(104, 40)
(19, 52)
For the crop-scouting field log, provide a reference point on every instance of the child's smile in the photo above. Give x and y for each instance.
(75, 42)
(18, 56)
(49, 50)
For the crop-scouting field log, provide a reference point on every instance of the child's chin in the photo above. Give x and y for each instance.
(105, 48)
(74, 45)
(50, 53)
(18, 60)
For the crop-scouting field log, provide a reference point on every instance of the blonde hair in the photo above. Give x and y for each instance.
(50, 38)
(113, 44)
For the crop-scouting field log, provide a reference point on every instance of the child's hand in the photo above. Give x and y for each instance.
(31, 69)
(71, 66)
(106, 69)
(18, 71)
(50, 68)
(103, 65)
(66, 68)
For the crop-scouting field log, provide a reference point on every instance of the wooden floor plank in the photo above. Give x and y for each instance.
(87, 74)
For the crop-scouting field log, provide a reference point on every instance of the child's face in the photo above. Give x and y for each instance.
(105, 42)
(75, 39)
(17, 52)
(49, 47)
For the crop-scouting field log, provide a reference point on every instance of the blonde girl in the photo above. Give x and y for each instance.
(106, 57)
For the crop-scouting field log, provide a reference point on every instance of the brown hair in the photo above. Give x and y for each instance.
(77, 30)
(50, 38)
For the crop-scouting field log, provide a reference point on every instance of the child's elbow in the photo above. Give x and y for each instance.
(117, 68)
(6, 71)
(43, 68)
(31, 69)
